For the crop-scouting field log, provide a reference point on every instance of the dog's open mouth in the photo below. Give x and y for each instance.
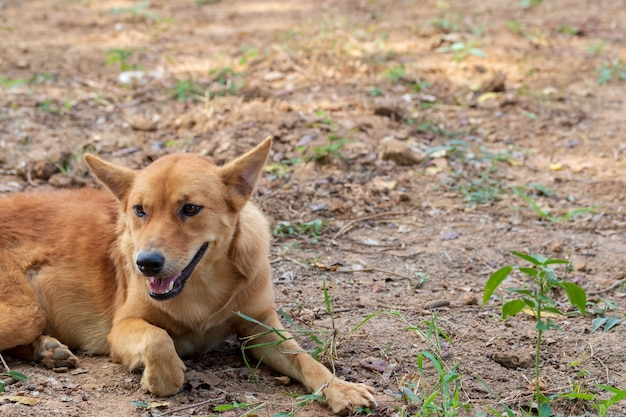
(164, 288)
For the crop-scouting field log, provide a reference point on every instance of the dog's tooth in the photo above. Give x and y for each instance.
(148, 282)
(171, 286)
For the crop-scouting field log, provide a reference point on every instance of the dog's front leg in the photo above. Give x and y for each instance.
(136, 343)
(283, 354)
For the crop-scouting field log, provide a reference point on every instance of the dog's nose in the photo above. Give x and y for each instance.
(150, 263)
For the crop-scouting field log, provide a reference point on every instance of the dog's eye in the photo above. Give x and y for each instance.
(190, 210)
(139, 211)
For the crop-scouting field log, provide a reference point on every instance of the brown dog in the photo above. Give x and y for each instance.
(153, 272)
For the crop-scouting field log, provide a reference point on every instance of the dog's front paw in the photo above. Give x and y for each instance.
(345, 397)
(53, 354)
(165, 378)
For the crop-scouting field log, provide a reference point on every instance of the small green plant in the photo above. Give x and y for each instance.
(447, 24)
(441, 397)
(120, 57)
(527, 4)
(188, 90)
(536, 298)
(397, 73)
(532, 35)
(597, 47)
(302, 401)
(463, 50)
(545, 213)
(473, 177)
(18, 376)
(324, 340)
(604, 320)
(139, 11)
(329, 152)
(568, 30)
(602, 406)
(309, 230)
(611, 71)
(482, 189)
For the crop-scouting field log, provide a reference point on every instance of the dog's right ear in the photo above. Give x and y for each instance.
(116, 178)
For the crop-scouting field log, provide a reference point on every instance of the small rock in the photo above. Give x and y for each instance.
(514, 360)
(437, 304)
(556, 247)
(495, 84)
(400, 152)
(78, 371)
(469, 299)
(394, 109)
(140, 121)
(374, 364)
(282, 380)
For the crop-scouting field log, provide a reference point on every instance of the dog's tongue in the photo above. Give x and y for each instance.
(161, 285)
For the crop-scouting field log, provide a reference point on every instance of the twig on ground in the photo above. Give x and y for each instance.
(176, 410)
(609, 288)
(351, 223)
(385, 271)
(4, 363)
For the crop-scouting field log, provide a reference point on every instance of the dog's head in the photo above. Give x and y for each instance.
(180, 210)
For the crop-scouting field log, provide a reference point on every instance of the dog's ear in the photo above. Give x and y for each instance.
(116, 178)
(241, 175)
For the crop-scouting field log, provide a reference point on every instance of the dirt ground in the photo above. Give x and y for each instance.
(417, 143)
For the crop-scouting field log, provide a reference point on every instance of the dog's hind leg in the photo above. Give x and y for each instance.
(22, 318)
(22, 321)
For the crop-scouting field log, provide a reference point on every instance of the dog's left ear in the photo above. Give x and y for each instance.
(241, 175)
(116, 178)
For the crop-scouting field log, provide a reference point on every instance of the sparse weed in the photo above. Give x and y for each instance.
(473, 171)
(188, 90)
(604, 319)
(602, 406)
(463, 50)
(527, 4)
(532, 35)
(36, 79)
(439, 398)
(483, 189)
(302, 401)
(121, 56)
(536, 298)
(597, 47)
(544, 213)
(611, 71)
(447, 24)
(307, 230)
(139, 11)
(568, 30)
(331, 151)
(226, 82)
(453, 22)
(324, 340)
(18, 376)
(397, 73)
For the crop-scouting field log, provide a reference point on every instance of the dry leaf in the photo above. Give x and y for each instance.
(20, 399)
(487, 96)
